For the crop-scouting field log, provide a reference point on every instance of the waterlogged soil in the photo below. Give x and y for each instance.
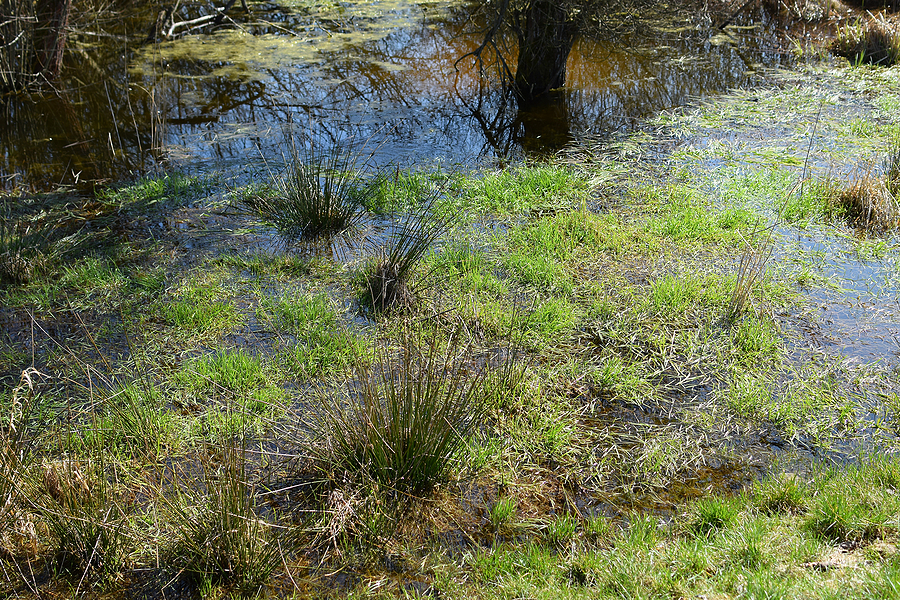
(830, 290)
(839, 129)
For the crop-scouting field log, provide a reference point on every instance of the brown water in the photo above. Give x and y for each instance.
(384, 72)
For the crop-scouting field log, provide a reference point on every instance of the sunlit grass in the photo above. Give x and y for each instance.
(154, 193)
(582, 429)
(523, 189)
(223, 373)
(320, 342)
(201, 307)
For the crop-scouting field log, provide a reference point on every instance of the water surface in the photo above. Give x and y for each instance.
(385, 72)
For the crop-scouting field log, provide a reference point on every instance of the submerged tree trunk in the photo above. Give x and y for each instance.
(32, 40)
(50, 36)
(546, 32)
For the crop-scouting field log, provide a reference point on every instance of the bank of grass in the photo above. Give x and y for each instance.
(782, 540)
(581, 399)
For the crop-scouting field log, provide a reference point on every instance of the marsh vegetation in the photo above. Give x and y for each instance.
(605, 377)
(664, 363)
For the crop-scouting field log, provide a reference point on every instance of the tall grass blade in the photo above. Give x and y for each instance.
(751, 269)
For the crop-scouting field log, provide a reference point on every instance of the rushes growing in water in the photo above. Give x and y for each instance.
(870, 202)
(869, 205)
(318, 194)
(400, 424)
(875, 41)
(77, 504)
(892, 168)
(388, 284)
(221, 539)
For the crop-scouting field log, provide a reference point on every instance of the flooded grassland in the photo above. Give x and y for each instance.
(664, 364)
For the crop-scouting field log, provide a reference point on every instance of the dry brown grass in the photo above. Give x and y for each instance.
(868, 204)
(875, 41)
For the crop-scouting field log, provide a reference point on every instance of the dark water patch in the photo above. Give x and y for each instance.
(92, 336)
(384, 70)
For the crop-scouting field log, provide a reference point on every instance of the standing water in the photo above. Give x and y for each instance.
(386, 72)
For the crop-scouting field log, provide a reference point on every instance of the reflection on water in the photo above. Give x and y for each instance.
(383, 71)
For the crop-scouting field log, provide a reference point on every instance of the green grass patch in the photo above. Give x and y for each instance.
(545, 253)
(755, 338)
(522, 189)
(201, 307)
(155, 193)
(684, 215)
(225, 373)
(399, 192)
(320, 343)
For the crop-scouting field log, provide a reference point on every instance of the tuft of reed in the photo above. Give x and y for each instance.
(874, 41)
(319, 193)
(402, 422)
(221, 539)
(560, 530)
(502, 512)
(781, 494)
(750, 270)
(86, 523)
(388, 286)
(710, 515)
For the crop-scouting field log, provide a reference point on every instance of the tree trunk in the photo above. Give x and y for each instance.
(32, 40)
(50, 36)
(545, 40)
